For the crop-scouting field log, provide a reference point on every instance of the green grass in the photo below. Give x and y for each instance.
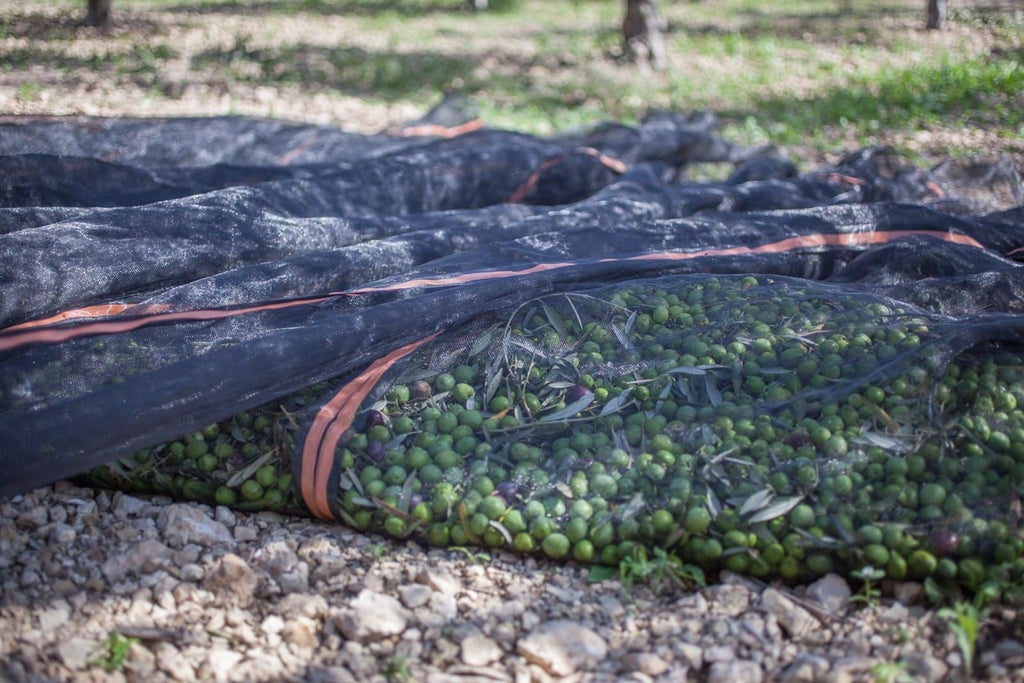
(970, 92)
(799, 72)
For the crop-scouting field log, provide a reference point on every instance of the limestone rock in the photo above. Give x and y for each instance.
(563, 647)
(479, 650)
(220, 664)
(372, 615)
(75, 653)
(925, 668)
(646, 662)
(301, 632)
(805, 668)
(283, 565)
(142, 558)
(182, 523)
(797, 621)
(301, 604)
(732, 599)
(440, 580)
(232, 579)
(415, 595)
(735, 670)
(831, 592)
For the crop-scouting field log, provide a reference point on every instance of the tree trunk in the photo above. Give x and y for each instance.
(643, 32)
(99, 13)
(936, 15)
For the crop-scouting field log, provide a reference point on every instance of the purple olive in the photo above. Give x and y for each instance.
(576, 392)
(374, 418)
(375, 451)
(944, 542)
(419, 390)
(415, 499)
(507, 490)
(799, 439)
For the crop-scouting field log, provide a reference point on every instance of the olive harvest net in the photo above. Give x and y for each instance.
(560, 346)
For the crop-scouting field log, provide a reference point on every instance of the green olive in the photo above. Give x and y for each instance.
(555, 545)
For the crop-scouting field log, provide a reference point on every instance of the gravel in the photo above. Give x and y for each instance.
(195, 592)
(103, 586)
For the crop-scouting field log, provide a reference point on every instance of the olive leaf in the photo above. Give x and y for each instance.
(711, 387)
(527, 346)
(480, 344)
(696, 371)
(886, 441)
(564, 489)
(777, 509)
(616, 403)
(630, 321)
(249, 471)
(714, 505)
(576, 313)
(756, 501)
(491, 387)
(405, 497)
(555, 320)
(635, 504)
(662, 395)
(622, 336)
(495, 524)
(568, 411)
(684, 389)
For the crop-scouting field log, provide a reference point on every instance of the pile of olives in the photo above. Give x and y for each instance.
(243, 463)
(774, 427)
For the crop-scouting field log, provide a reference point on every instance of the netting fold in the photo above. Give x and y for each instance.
(550, 345)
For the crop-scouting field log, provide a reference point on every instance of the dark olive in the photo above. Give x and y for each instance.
(944, 542)
(576, 392)
(375, 451)
(507, 490)
(374, 418)
(419, 390)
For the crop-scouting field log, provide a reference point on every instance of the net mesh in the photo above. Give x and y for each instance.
(558, 346)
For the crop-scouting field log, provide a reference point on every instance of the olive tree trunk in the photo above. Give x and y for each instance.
(643, 33)
(98, 14)
(936, 15)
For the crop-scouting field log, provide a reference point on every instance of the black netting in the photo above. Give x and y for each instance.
(552, 345)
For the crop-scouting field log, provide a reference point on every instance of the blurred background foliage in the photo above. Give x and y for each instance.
(822, 75)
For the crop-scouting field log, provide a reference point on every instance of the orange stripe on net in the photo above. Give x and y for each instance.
(437, 130)
(150, 315)
(331, 421)
(97, 311)
(844, 179)
(25, 333)
(781, 246)
(809, 241)
(462, 279)
(936, 189)
(611, 163)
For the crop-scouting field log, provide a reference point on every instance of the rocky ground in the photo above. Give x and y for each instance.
(103, 586)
